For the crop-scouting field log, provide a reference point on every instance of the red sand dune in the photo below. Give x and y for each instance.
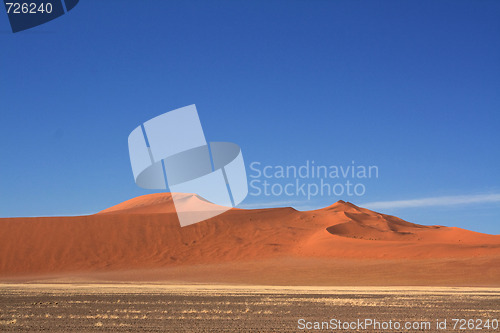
(342, 244)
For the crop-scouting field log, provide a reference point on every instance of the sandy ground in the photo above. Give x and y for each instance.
(58, 307)
(286, 271)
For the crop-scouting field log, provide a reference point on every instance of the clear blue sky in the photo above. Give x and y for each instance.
(410, 86)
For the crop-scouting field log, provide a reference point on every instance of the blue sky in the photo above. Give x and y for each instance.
(412, 87)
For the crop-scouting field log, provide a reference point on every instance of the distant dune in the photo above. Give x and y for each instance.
(141, 240)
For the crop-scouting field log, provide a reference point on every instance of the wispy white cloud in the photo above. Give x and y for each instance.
(434, 201)
(269, 204)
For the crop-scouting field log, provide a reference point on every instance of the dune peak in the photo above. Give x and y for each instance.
(165, 202)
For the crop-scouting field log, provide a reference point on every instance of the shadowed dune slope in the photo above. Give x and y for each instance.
(143, 235)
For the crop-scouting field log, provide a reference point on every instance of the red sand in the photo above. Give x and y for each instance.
(343, 244)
